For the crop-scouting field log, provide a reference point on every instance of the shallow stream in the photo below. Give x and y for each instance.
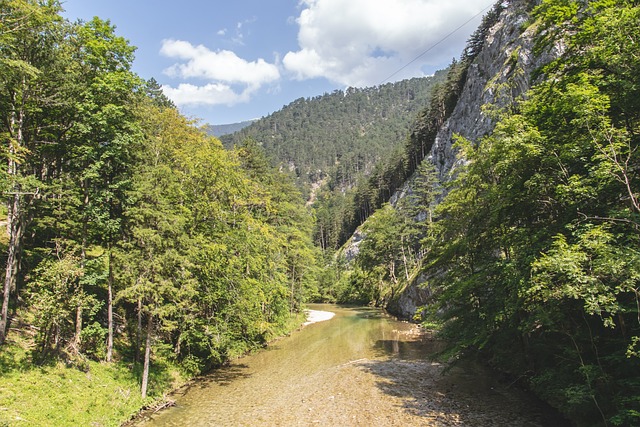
(360, 368)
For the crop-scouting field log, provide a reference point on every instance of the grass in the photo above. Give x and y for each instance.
(100, 394)
(58, 395)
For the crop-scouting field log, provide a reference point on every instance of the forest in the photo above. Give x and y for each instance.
(132, 237)
(341, 134)
(140, 251)
(343, 149)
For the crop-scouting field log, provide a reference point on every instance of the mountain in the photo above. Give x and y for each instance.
(341, 134)
(220, 130)
(337, 144)
(502, 71)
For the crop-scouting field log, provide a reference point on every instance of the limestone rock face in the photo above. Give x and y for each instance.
(500, 73)
(407, 305)
(352, 247)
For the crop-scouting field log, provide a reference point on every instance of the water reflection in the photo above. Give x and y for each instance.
(406, 350)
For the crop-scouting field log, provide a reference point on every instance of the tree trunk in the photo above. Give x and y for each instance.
(77, 337)
(293, 284)
(83, 261)
(178, 348)
(14, 223)
(404, 259)
(12, 263)
(138, 332)
(147, 356)
(110, 308)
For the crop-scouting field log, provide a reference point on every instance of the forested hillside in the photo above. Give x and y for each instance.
(336, 144)
(525, 239)
(131, 238)
(500, 198)
(342, 134)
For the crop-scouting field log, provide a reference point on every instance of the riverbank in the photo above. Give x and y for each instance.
(85, 392)
(55, 394)
(310, 316)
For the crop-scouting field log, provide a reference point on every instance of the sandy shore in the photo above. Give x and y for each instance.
(314, 316)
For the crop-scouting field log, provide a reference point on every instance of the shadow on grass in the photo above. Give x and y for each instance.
(15, 357)
(9, 362)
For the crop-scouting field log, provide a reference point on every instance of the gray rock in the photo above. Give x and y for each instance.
(499, 75)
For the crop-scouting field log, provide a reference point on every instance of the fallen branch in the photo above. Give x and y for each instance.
(164, 405)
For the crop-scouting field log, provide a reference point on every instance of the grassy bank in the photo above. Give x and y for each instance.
(88, 393)
(55, 394)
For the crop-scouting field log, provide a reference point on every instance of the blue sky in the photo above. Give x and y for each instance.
(229, 61)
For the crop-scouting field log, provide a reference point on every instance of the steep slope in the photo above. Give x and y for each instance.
(532, 256)
(501, 72)
(498, 76)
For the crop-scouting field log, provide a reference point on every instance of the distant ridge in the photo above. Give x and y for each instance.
(219, 130)
(343, 134)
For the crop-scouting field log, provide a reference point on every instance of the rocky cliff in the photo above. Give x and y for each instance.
(501, 73)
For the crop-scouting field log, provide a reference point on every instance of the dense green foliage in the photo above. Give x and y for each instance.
(342, 134)
(340, 210)
(345, 149)
(539, 233)
(531, 258)
(390, 250)
(133, 236)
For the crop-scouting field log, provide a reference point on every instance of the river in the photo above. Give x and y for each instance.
(360, 368)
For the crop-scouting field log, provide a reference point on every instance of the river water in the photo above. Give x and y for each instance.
(360, 368)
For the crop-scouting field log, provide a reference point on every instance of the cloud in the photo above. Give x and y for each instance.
(209, 94)
(223, 69)
(222, 65)
(362, 42)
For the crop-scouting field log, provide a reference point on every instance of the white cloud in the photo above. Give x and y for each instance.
(209, 94)
(222, 65)
(362, 42)
(222, 68)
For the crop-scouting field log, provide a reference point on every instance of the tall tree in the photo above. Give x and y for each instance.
(30, 38)
(539, 235)
(102, 142)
